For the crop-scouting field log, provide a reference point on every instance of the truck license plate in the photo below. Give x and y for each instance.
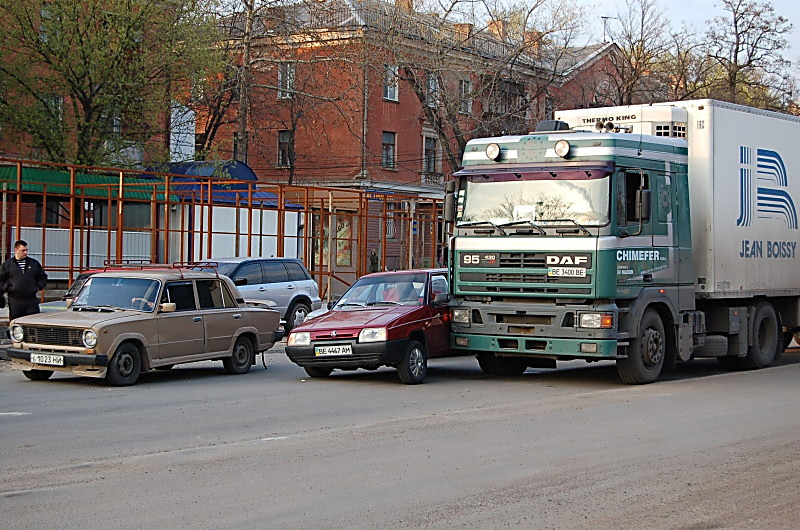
(43, 358)
(566, 272)
(340, 349)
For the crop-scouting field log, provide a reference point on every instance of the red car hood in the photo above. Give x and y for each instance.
(357, 318)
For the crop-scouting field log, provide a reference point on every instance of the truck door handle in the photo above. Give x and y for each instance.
(197, 319)
(237, 316)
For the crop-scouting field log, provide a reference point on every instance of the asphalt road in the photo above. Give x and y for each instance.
(196, 448)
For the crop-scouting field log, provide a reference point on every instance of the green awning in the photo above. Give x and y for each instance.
(54, 182)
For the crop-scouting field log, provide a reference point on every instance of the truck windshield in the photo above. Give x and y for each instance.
(541, 196)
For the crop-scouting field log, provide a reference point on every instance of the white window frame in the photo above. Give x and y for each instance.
(390, 161)
(391, 75)
(465, 96)
(432, 84)
(286, 77)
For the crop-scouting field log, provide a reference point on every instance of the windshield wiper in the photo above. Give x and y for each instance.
(576, 223)
(482, 223)
(525, 222)
(387, 302)
(98, 308)
(351, 303)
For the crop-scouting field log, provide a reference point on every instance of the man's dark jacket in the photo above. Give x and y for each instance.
(22, 287)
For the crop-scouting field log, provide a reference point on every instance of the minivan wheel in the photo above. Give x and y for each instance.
(296, 315)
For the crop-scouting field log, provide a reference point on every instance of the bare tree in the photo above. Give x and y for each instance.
(641, 37)
(747, 43)
(478, 69)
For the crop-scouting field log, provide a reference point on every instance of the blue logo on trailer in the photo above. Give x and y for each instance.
(766, 196)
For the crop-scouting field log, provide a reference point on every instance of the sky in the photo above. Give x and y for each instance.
(695, 13)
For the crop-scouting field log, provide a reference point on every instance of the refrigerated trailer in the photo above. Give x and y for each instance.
(646, 234)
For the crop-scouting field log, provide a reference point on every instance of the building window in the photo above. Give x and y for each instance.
(45, 17)
(433, 91)
(465, 96)
(429, 155)
(285, 80)
(388, 150)
(390, 78)
(284, 148)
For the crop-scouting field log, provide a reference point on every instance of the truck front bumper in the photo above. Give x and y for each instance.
(535, 346)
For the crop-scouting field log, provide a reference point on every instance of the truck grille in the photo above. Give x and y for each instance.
(525, 274)
(53, 336)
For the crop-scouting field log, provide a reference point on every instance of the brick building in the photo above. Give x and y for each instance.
(374, 95)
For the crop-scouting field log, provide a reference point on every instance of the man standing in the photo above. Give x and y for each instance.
(21, 277)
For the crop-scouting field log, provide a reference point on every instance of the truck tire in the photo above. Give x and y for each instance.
(501, 366)
(767, 337)
(646, 352)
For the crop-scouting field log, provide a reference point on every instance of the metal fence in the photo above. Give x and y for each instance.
(76, 218)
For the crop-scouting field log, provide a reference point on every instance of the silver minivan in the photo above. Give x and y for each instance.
(284, 281)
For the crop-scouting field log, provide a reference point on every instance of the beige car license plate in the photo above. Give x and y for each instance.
(44, 358)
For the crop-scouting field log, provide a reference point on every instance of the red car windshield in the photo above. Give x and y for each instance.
(389, 289)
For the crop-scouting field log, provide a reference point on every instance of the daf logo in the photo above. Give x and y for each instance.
(333, 333)
(567, 260)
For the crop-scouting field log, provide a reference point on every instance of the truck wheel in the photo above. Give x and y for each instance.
(501, 366)
(766, 337)
(37, 375)
(316, 371)
(485, 362)
(125, 366)
(241, 359)
(296, 314)
(645, 353)
(414, 366)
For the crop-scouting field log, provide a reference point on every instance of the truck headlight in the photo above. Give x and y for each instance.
(596, 320)
(89, 338)
(301, 338)
(372, 335)
(16, 333)
(460, 315)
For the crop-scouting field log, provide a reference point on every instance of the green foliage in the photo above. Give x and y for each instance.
(88, 81)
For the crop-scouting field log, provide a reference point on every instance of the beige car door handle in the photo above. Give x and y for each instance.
(197, 319)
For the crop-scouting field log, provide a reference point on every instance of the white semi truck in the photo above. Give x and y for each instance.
(646, 234)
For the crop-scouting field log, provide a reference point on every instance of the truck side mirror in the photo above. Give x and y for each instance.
(449, 214)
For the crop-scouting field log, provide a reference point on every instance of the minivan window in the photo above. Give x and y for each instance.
(296, 271)
(275, 272)
(251, 271)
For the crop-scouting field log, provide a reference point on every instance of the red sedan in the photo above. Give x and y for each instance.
(398, 319)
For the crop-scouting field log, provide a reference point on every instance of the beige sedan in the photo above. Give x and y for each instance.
(124, 323)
